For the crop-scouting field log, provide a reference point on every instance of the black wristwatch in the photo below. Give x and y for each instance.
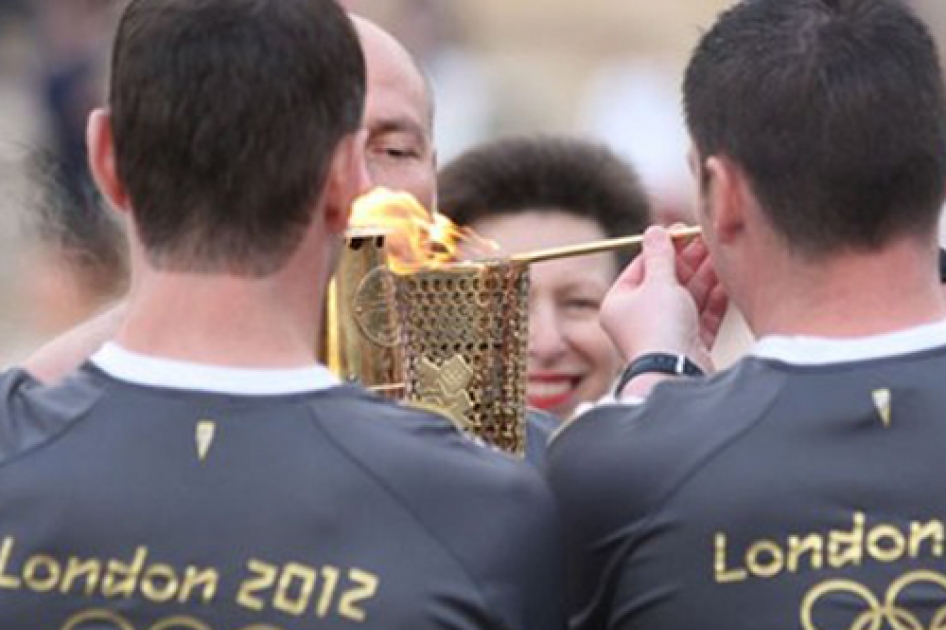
(660, 363)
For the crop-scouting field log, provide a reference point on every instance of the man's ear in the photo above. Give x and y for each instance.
(727, 191)
(102, 162)
(347, 180)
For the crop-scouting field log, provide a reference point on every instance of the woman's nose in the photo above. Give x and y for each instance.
(546, 341)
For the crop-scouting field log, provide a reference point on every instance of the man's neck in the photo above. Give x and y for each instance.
(853, 295)
(222, 321)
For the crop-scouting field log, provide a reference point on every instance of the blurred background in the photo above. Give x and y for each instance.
(606, 69)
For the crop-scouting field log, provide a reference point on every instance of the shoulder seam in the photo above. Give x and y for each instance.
(710, 457)
(487, 608)
(52, 438)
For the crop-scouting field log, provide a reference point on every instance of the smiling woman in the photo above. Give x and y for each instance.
(535, 193)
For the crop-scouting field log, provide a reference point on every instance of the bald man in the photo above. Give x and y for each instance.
(399, 114)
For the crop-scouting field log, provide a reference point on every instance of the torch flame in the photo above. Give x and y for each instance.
(416, 239)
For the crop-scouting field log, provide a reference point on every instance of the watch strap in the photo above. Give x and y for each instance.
(659, 363)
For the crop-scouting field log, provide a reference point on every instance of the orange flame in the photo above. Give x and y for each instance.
(416, 239)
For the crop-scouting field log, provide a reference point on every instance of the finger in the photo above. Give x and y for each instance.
(712, 316)
(679, 243)
(659, 256)
(685, 244)
(692, 254)
(703, 281)
(636, 270)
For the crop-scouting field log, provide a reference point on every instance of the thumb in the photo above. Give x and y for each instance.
(660, 260)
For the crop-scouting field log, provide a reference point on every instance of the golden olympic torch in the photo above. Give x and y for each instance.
(433, 332)
(362, 340)
(465, 329)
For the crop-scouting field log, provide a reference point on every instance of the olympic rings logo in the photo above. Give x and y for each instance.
(877, 612)
(114, 621)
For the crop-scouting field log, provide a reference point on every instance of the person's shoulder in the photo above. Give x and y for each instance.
(13, 378)
(468, 497)
(678, 408)
(540, 427)
(351, 413)
(646, 450)
(393, 434)
(32, 413)
(22, 394)
(427, 462)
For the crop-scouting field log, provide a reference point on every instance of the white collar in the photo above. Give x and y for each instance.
(156, 372)
(825, 351)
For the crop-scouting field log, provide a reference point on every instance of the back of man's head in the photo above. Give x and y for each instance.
(835, 111)
(226, 115)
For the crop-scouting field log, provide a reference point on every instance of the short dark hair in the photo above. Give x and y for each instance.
(226, 115)
(519, 174)
(835, 111)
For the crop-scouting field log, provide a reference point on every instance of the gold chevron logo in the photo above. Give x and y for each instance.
(204, 436)
(882, 401)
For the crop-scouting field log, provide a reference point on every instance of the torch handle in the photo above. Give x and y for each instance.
(607, 245)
